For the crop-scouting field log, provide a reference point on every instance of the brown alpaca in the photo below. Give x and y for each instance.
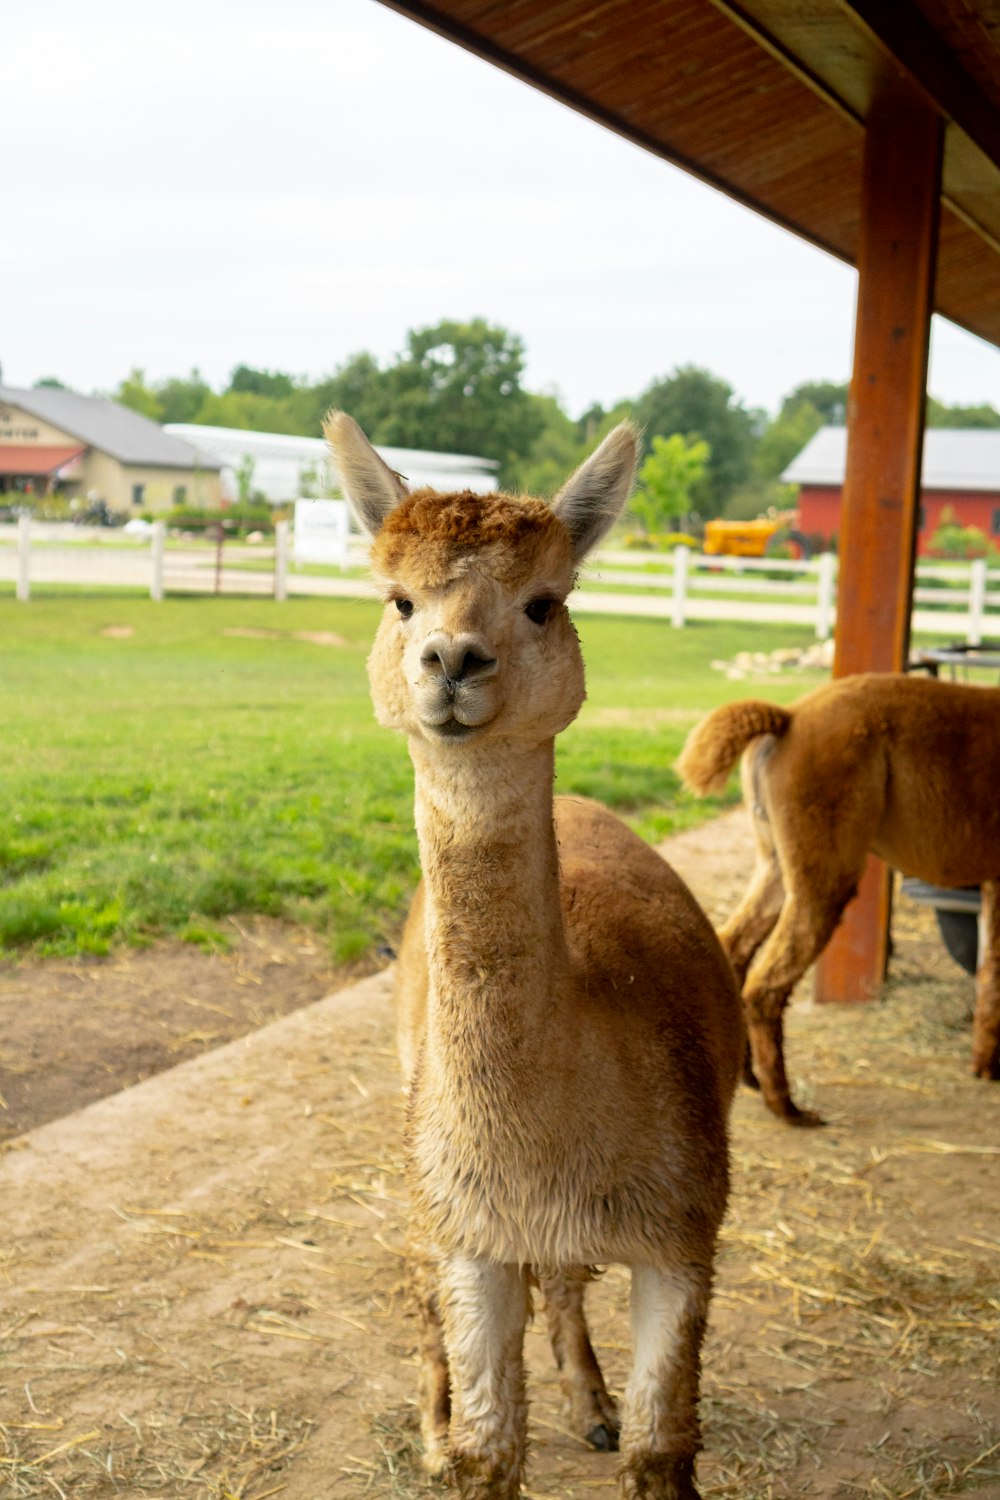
(907, 768)
(569, 1022)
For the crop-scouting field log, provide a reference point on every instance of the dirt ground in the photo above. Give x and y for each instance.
(75, 1031)
(201, 1282)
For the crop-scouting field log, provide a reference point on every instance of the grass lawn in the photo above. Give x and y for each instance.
(165, 767)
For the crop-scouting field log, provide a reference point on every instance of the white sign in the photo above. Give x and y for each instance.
(322, 532)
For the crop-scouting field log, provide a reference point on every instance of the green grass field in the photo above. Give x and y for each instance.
(174, 771)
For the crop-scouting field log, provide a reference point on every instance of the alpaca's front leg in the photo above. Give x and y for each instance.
(485, 1307)
(660, 1433)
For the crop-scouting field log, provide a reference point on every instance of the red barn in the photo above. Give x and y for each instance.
(961, 470)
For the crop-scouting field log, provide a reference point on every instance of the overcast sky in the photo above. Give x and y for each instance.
(286, 184)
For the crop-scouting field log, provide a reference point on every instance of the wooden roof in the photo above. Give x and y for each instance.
(768, 99)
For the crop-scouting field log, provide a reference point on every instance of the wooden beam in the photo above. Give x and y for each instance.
(896, 263)
(908, 37)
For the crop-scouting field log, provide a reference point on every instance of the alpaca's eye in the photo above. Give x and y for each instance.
(538, 610)
(405, 607)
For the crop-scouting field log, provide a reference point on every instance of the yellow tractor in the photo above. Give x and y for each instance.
(760, 538)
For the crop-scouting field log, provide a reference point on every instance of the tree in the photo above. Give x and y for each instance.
(697, 404)
(668, 480)
(827, 397)
(50, 383)
(803, 412)
(247, 410)
(358, 386)
(941, 415)
(457, 388)
(553, 454)
(561, 445)
(181, 400)
(273, 383)
(785, 437)
(134, 393)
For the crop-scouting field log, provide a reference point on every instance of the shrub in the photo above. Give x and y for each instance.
(235, 520)
(660, 541)
(951, 540)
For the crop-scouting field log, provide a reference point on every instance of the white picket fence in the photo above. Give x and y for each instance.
(692, 586)
(678, 587)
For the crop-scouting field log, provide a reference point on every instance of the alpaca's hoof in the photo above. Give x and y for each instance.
(434, 1461)
(804, 1117)
(789, 1113)
(658, 1476)
(603, 1438)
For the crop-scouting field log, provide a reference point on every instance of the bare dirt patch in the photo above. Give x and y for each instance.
(314, 637)
(201, 1283)
(75, 1031)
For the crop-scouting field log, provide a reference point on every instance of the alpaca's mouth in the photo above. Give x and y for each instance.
(453, 729)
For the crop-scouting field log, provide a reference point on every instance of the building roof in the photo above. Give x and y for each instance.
(280, 459)
(106, 426)
(29, 460)
(954, 459)
(770, 100)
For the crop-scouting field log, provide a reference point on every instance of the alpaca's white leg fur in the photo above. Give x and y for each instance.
(484, 1308)
(660, 1431)
(986, 1023)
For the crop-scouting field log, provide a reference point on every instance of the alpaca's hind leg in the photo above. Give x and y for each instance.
(986, 1021)
(660, 1431)
(753, 920)
(484, 1307)
(593, 1414)
(433, 1383)
(802, 932)
(749, 926)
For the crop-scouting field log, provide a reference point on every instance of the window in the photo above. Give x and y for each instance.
(995, 522)
(138, 494)
(180, 494)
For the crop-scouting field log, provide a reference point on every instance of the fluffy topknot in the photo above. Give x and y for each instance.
(432, 533)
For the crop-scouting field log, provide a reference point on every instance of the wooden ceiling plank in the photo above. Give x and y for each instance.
(821, 87)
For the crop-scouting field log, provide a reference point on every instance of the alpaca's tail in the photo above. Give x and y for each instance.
(714, 746)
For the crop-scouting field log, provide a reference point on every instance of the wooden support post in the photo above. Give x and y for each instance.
(897, 253)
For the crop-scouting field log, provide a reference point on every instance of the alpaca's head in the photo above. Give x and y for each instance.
(476, 639)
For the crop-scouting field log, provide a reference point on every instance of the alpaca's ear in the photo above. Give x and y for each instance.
(371, 487)
(591, 501)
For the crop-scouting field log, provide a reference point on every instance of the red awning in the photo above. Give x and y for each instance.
(28, 461)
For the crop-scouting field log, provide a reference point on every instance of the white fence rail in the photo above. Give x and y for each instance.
(770, 590)
(958, 600)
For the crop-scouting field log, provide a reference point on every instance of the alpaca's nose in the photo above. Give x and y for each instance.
(457, 658)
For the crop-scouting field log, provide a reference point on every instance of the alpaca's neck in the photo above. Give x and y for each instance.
(495, 942)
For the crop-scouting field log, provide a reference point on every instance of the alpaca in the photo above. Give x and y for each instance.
(570, 1021)
(902, 767)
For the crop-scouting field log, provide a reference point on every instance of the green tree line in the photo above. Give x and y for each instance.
(457, 387)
